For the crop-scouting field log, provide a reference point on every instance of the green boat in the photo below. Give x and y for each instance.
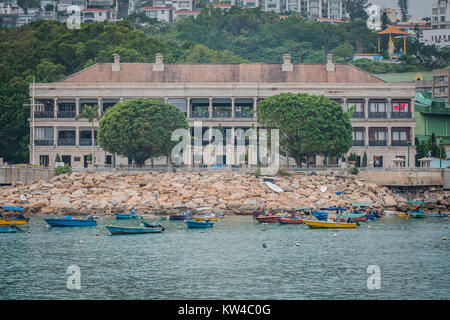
(416, 214)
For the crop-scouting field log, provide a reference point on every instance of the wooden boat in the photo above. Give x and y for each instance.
(183, 216)
(8, 230)
(7, 221)
(294, 220)
(116, 230)
(354, 216)
(205, 218)
(163, 218)
(418, 215)
(438, 215)
(67, 221)
(329, 224)
(274, 187)
(322, 215)
(192, 224)
(267, 218)
(18, 220)
(403, 214)
(126, 216)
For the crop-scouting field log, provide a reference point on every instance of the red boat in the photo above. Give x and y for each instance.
(291, 221)
(262, 219)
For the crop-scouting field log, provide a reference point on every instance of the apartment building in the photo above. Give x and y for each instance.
(220, 95)
(440, 14)
(438, 87)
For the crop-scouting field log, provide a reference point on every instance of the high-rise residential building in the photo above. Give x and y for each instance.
(440, 14)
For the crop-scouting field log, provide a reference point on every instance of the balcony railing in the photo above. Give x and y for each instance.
(401, 115)
(66, 114)
(87, 142)
(221, 114)
(358, 115)
(377, 115)
(44, 114)
(66, 142)
(359, 143)
(378, 143)
(43, 142)
(199, 114)
(243, 114)
(399, 143)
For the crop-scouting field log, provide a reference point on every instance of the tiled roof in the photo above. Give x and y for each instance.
(220, 73)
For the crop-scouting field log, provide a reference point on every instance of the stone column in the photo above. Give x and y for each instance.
(366, 136)
(121, 99)
(55, 136)
(77, 106)
(100, 107)
(77, 136)
(55, 107)
(411, 109)
(389, 107)
(389, 137)
(232, 107)
(188, 107)
(255, 106)
(210, 108)
(166, 100)
(412, 136)
(366, 108)
(345, 106)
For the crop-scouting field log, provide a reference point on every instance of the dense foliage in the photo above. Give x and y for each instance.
(309, 125)
(140, 129)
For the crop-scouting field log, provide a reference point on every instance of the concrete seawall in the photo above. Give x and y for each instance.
(404, 177)
(10, 175)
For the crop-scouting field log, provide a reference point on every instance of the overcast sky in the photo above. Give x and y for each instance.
(417, 8)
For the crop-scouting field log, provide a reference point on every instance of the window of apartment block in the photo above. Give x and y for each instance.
(377, 134)
(378, 161)
(400, 106)
(44, 160)
(437, 90)
(108, 160)
(180, 104)
(377, 106)
(400, 134)
(45, 133)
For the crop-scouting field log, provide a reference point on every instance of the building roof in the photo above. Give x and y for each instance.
(221, 73)
(393, 30)
(404, 77)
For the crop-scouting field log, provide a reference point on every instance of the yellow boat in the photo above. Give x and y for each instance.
(7, 222)
(403, 215)
(208, 218)
(329, 224)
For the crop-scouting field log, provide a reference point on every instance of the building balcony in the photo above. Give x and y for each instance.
(377, 115)
(87, 142)
(221, 114)
(377, 143)
(358, 115)
(44, 114)
(401, 115)
(243, 115)
(359, 143)
(199, 114)
(66, 142)
(43, 142)
(66, 114)
(400, 143)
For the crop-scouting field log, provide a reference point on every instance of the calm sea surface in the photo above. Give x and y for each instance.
(229, 261)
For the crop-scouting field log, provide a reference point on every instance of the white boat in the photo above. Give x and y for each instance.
(274, 187)
(389, 213)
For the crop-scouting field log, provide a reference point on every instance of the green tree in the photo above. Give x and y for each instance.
(356, 9)
(49, 7)
(364, 160)
(309, 125)
(91, 113)
(385, 20)
(403, 5)
(140, 129)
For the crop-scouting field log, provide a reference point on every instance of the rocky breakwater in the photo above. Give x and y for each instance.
(225, 192)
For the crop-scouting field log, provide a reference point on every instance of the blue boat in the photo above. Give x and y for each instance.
(323, 215)
(7, 230)
(183, 216)
(438, 215)
(199, 224)
(132, 230)
(6, 208)
(131, 215)
(67, 221)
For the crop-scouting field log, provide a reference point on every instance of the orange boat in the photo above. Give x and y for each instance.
(291, 221)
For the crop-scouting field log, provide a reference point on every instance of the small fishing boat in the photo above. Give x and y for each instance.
(329, 224)
(322, 215)
(418, 215)
(8, 230)
(354, 216)
(268, 218)
(192, 224)
(403, 214)
(438, 215)
(132, 230)
(131, 215)
(164, 218)
(19, 219)
(389, 213)
(293, 220)
(183, 216)
(67, 221)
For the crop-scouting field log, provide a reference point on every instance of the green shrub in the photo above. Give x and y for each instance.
(258, 173)
(282, 172)
(57, 158)
(63, 169)
(353, 170)
(352, 157)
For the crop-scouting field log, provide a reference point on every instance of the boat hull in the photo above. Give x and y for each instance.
(327, 224)
(417, 215)
(56, 222)
(262, 219)
(205, 218)
(7, 222)
(290, 221)
(403, 215)
(438, 215)
(192, 224)
(7, 230)
(131, 230)
(125, 216)
(180, 217)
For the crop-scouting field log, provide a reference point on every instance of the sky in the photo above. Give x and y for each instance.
(417, 8)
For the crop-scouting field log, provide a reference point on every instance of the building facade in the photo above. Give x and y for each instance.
(438, 87)
(220, 96)
(440, 14)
